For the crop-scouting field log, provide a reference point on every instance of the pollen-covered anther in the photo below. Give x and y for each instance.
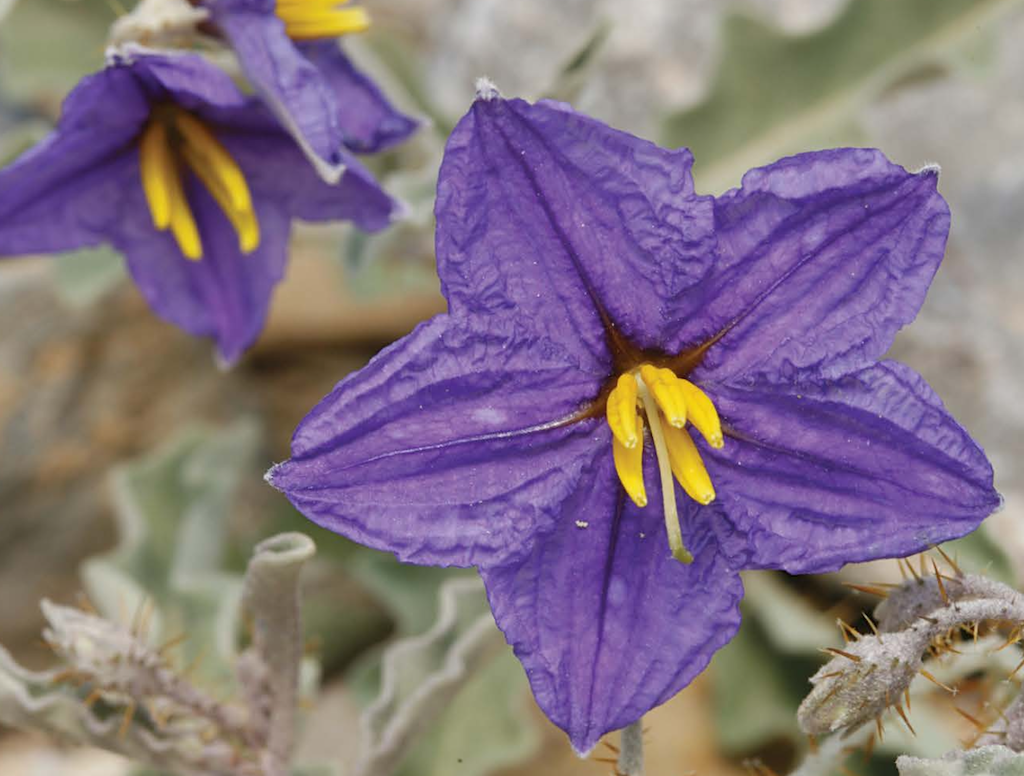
(174, 141)
(313, 19)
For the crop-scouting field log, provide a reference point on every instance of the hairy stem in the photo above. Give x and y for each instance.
(631, 753)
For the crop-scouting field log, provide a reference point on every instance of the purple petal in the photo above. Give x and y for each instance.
(869, 466)
(446, 449)
(560, 218)
(192, 82)
(822, 257)
(226, 294)
(70, 190)
(368, 121)
(291, 85)
(270, 159)
(606, 623)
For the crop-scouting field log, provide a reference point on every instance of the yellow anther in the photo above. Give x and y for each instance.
(701, 413)
(206, 151)
(157, 168)
(173, 138)
(687, 465)
(161, 183)
(183, 225)
(629, 465)
(312, 19)
(668, 393)
(243, 220)
(622, 413)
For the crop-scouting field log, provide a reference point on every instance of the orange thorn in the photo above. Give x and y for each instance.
(871, 624)
(970, 718)
(848, 631)
(903, 716)
(1013, 638)
(172, 643)
(924, 569)
(1013, 673)
(841, 653)
(952, 563)
(611, 746)
(129, 713)
(869, 747)
(67, 675)
(899, 562)
(938, 581)
(879, 728)
(906, 695)
(812, 744)
(85, 604)
(870, 590)
(933, 680)
(92, 697)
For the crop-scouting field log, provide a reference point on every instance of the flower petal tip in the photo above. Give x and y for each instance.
(929, 168)
(272, 472)
(486, 90)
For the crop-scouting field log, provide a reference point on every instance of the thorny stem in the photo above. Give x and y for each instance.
(631, 752)
(871, 674)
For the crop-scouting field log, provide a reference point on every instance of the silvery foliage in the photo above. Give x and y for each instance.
(916, 625)
(115, 690)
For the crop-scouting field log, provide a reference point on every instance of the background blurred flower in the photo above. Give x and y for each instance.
(572, 254)
(288, 50)
(195, 183)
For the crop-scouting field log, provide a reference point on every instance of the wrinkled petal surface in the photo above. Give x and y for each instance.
(561, 219)
(606, 623)
(369, 123)
(446, 449)
(822, 257)
(868, 466)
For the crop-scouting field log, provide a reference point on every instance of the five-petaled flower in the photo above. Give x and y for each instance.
(163, 157)
(599, 310)
(288, 50)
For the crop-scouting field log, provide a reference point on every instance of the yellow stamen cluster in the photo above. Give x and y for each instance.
(313, 19)
(172, 141)
(663, 395)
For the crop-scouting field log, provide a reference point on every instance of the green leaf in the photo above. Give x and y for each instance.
(984, 761)
(756, 692)
(172, 507)
(409, 592)
(776, 94)
(452, 699)
(791, 623)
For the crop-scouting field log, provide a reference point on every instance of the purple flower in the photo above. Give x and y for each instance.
(609, 333)
(161, 156)
(288, 50)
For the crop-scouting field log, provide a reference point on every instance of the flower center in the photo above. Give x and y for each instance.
(174, 139)
(312, 19)
(663, 395)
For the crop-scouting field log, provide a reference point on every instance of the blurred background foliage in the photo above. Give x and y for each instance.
(89, 379)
